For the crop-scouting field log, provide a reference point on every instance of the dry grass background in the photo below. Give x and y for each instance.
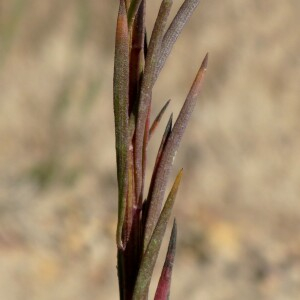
(238, 209)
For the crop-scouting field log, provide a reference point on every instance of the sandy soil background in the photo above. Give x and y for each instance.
(238, 209)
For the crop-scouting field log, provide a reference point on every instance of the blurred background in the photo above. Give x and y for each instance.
(238, 208)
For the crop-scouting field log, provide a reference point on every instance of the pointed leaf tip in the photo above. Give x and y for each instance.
(197, 85)
(205, 62)
(164, 284)
(150, 256)
(158, 118)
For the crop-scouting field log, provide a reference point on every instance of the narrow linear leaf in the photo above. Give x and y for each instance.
(146, 88)
(164, 284)
(169, 152)
(121, 275)
(130, 202)
(132, 11)
(144, 156)
(127, 3)
(136, 60)
(174, 30)
(164, 140)
(121, 87)
(157, 119)
(154, 48)
(150, 256)
(158, 157)
(145, 45)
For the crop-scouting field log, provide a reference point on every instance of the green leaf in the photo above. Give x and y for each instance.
(164, 139)
(132, 11)
(183, 15)
(150, 256)
(153, 51)
(127, 4)
(130, 201)
(121, 87)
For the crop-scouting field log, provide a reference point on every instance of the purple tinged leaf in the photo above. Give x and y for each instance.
(157, 119)
(150, 256)
(163, 170)
(144, 156)
(145, 45)
(141, 226)
(146, 91)
(174, 30)
(158, 157)
(164, 284)
(164, 141)
(121, 87)
(136, 60)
